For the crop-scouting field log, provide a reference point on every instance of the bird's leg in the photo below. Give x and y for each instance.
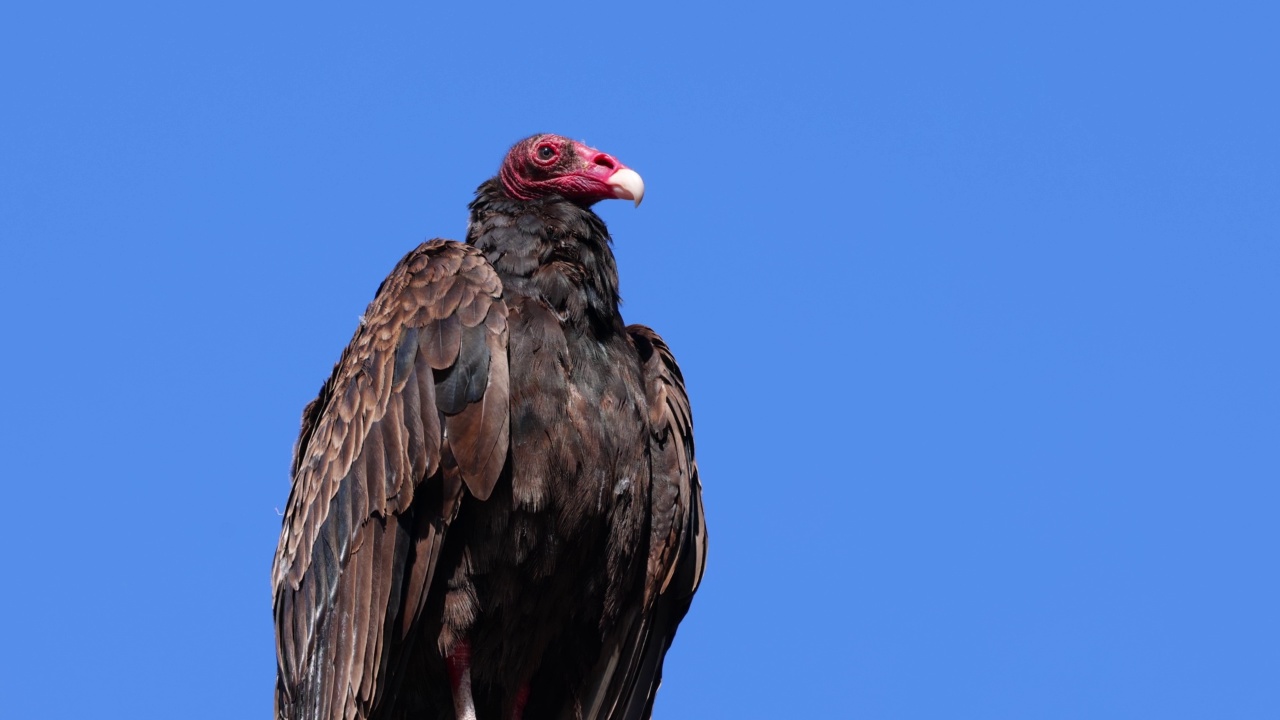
(459, 664)
(522, 697)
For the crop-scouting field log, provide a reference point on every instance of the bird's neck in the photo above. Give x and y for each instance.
(550, 249)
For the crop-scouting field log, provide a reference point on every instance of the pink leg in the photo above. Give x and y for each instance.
(522, 697)
(459, 665)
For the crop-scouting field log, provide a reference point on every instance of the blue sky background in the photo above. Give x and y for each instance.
(978, 307)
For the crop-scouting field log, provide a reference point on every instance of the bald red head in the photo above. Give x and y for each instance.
(545, 165)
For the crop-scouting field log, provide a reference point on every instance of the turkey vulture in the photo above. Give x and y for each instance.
(495, 510)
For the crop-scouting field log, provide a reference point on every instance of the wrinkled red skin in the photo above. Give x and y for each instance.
(573, 170)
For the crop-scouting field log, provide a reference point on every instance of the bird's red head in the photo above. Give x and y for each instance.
(545, 165)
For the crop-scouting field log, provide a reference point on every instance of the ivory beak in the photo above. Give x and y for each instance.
(627, 185)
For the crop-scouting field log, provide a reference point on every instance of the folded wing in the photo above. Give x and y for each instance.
(630, 669)
(416, 410)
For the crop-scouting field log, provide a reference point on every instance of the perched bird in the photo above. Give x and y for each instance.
(495, 509)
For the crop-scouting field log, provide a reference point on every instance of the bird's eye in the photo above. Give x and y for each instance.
(546, 152)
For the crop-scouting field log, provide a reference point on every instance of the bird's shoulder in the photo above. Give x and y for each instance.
(439, 301)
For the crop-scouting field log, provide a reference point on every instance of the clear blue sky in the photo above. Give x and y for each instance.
(978, 308)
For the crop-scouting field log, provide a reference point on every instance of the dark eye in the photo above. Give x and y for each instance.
(546, 152)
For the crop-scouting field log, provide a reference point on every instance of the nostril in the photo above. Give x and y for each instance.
(605, 161)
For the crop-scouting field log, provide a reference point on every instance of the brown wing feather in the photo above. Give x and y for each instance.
(377, 479)
(630, 668)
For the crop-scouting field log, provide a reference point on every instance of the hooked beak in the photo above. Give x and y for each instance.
(627, 185)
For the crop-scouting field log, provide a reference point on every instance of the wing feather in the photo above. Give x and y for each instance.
(630, 668)
(371, 498)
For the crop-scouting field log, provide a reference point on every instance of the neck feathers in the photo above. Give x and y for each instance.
(551, 249)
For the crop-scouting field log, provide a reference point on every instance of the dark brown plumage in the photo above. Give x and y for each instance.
(496, 511)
